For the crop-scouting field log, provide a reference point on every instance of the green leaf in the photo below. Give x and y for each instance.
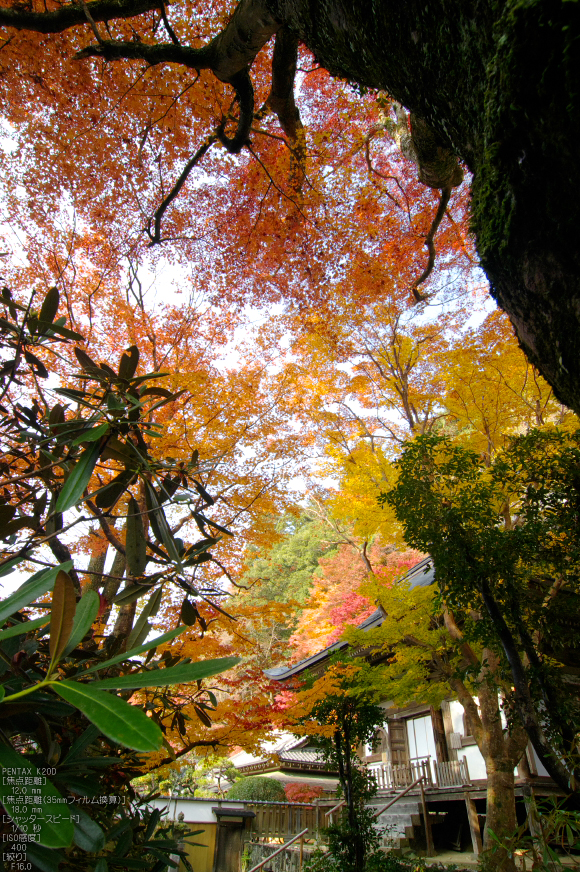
(203, 493)
(78, 479)
(85, 616)
(131, 593)
(88, 834)
(124, 452)
(91, 435)
(23, 628)
(33, 587)
(64, 331)
(135, 542)
(213, 524)
(51, 835)
(182, 674)
(110, 493)
(115, 403)
(87, 363)
(160, 403)
(49, 306)
(56, 416)
(156, 392)
(101, 866)
(83, 741)
(205, 719)
(77, 399)
(153, 643)
(153, 821)
(148, 376)
(124, 724)
(128, 362)
(159, 523)
(37, 365)
(2, 692)
(149, 610)
(189, 613)
(8, 566)
(42, 858)
(61, 615)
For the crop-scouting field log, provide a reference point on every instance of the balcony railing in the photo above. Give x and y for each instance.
(453, 773)
(389, 776)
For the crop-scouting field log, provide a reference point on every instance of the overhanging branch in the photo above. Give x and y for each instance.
(70, 16)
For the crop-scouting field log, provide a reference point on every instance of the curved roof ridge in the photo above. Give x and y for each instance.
(420, 575)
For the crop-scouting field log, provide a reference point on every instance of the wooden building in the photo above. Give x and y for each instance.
(419, 740)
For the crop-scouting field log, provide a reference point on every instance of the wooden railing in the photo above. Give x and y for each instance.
(282, 848)
(452, 773)
(426, 820)
(391, 776)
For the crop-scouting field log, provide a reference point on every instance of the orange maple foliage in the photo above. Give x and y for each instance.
(336, 601)
(98, 147)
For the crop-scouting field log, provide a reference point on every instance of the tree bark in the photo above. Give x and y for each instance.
(501, 812)
(500, 749)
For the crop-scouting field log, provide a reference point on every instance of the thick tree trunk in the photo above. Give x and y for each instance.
(501, 750)
(501, 813)
(499, 83)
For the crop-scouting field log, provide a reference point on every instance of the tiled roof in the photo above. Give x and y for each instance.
(290, 743)
(310, 755)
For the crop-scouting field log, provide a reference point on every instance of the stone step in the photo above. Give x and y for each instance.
(403, 823)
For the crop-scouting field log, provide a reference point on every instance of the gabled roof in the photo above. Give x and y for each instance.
(420, 575)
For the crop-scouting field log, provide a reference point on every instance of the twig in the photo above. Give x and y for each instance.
(168, 27)
(106, 528)
(91, 21)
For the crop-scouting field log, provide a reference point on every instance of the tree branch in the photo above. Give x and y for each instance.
(69, 16)
(245, 98)
(523, 700)
(161, 53)
(155, 237)
(63, 555)
(106, 528)
(281, 101)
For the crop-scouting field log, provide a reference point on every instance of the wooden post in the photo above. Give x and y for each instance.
(473, 824)
(301, 853)
(428, 833)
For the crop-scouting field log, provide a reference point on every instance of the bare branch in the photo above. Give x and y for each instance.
(161, 53)
(168, 27)
(443, 201)
(106, 528)
(155, 237)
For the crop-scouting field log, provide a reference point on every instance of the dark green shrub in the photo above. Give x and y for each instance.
(257, 787)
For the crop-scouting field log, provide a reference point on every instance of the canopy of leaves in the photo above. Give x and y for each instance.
(504, 538)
